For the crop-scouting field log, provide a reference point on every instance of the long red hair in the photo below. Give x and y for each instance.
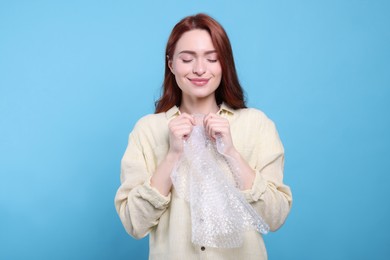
(229, 90)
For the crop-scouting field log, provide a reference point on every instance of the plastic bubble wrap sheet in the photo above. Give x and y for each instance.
(209, 182)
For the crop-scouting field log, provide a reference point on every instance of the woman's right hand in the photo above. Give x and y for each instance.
(180, 129)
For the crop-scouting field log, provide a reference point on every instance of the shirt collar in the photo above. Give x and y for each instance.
(173, 111)
(223, 110)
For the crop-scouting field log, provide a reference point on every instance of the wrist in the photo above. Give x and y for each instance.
(173, 156)
(232, 152)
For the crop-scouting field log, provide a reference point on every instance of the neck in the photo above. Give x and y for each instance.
(199, 106)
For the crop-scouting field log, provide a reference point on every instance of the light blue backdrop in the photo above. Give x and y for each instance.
(76, 75)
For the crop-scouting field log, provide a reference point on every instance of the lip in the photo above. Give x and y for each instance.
(199, 81)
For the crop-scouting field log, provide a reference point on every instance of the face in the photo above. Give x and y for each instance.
(196, 66)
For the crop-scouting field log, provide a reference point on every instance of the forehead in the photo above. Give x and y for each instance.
(195, 40)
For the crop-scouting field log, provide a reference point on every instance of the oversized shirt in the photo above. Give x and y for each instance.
(143, 210)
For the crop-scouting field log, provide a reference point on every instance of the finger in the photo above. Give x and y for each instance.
(213, 118)
(208, 117)
(182, 130)
(183, 122)
(216, 125)
(216, 132)
(188, 117)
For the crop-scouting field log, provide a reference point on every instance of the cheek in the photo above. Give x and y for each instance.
(217, 71)
(218, 74)
(180, 69)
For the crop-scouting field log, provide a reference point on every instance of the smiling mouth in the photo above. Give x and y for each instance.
(199, 81)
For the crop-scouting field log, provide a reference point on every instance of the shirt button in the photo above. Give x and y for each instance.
(202, 248)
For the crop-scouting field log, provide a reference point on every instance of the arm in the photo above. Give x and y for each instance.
(217, 126)
(262, 179)
(144, 194)
(179, 129)
(269, 195)
(139, 206)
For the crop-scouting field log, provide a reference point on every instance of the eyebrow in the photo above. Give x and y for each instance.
(194, 53)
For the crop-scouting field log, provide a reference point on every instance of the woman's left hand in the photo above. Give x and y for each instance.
(217, 126)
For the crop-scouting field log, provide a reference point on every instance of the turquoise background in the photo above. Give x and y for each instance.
(76, 75)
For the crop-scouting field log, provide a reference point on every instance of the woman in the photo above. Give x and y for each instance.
(200, 79)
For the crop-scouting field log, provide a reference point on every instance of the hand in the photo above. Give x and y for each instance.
(179, 129)
(219, 127)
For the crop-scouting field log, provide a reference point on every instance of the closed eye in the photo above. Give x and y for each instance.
(186, 61)
(212, 61)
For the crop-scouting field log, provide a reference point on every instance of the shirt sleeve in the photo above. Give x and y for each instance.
(139, 205)
(269, 195)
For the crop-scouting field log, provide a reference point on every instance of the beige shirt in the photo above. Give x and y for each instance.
(143, 210)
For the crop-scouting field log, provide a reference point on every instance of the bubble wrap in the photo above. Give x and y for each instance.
(209, 181)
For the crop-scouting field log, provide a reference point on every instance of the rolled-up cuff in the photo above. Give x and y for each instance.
(152, 195)
(258, 188)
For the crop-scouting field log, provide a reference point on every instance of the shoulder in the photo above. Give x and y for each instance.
(252, 116)
(251, 112)
(150, 120)
(157, 120)
(256, 125)
(150, 127)
(150, 130)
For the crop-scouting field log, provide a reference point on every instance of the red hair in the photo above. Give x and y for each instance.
(229, 90)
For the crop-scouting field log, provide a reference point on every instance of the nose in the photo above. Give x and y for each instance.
(199, 67)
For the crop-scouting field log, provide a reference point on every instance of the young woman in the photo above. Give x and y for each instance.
(200, 79)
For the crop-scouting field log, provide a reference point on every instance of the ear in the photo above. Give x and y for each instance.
(170, 64)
